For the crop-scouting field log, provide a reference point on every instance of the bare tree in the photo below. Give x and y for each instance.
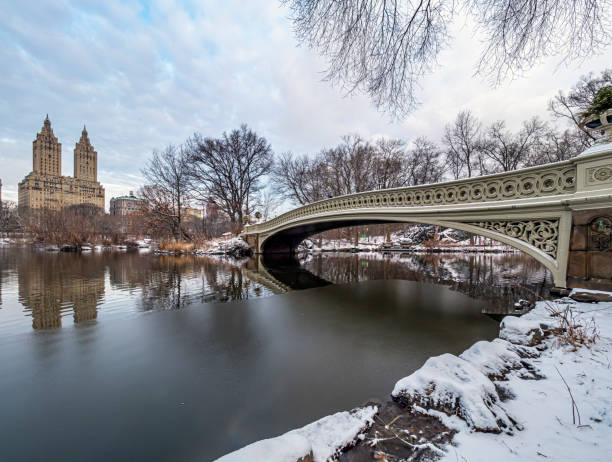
(352, 166)
(167, 192)
(520, 34)
(508, 151)
(572, 106)
(229, 169)
(462, 140)
(555, 146)
(385, 47)
(356, 166)
(423, 163)
(268, 201)
(389, 165)
(381, 47)
(9, 219)
(349, 166)
(300, 179)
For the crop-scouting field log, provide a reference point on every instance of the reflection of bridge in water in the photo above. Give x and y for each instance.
(560, 214)
(501, 279)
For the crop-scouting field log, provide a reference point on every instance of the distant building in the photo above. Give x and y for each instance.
(125, 205)
(212, 210)
(46, 188)
(193, 212)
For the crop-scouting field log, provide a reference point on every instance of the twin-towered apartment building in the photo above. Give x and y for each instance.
(45, 187)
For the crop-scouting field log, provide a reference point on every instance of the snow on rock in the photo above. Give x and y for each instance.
(522, 331)
(235, 246)
(285, 448)
(455, 386)
(324, 438)
(497, 358)
(331, 434)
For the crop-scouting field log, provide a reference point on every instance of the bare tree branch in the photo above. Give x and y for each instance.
(385, 47)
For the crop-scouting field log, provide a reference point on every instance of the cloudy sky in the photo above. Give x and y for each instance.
(142, 75)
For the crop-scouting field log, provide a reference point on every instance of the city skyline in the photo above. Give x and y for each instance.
(141, 77)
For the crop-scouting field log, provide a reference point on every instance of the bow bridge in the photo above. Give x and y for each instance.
(560, 214)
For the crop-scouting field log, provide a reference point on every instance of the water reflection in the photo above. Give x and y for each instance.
(501, 279)
(53, 286)
(48, 286)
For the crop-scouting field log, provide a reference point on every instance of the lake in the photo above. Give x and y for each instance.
(135, 356)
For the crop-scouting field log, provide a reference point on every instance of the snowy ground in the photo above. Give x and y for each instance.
(224, 246)
(448, 240)
(320, 440)
(547, 425)
(531, 394)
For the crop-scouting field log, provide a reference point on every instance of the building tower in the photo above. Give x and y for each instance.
(47, 158)
(85, 159)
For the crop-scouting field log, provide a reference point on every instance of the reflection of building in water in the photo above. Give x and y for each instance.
(53, 283)
(84, 297)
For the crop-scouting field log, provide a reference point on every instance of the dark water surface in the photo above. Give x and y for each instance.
(122, 356)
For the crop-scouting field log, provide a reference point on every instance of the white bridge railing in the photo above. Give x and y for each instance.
(547, 180)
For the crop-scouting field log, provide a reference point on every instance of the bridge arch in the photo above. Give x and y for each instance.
(286, 238)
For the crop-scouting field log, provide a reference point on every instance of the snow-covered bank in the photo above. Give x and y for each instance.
(416, 239)
(551, 427)
(7, 241)
(235, 246)
(543, 390)
(319, 441)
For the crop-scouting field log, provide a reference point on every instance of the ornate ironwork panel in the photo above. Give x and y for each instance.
(600, 234)
(541, 234)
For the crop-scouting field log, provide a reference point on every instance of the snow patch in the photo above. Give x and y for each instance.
(551, 431)
(521, 331)
(325, 438)
(331, 434)
(497, 358)
(285, 448)
(453, 385)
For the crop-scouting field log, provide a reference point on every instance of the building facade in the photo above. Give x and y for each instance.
(125, 205)
(193, 212)
(46, 188)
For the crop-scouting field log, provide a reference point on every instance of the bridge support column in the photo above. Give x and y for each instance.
(590, 256)
(253, 241)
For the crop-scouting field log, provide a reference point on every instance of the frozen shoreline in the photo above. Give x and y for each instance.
(508, 399)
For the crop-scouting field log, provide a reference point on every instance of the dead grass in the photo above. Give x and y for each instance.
(573, 332)
(178, 247)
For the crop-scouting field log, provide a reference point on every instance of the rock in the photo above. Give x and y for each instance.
(420, 233)
(590, 297)
(560, 291)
